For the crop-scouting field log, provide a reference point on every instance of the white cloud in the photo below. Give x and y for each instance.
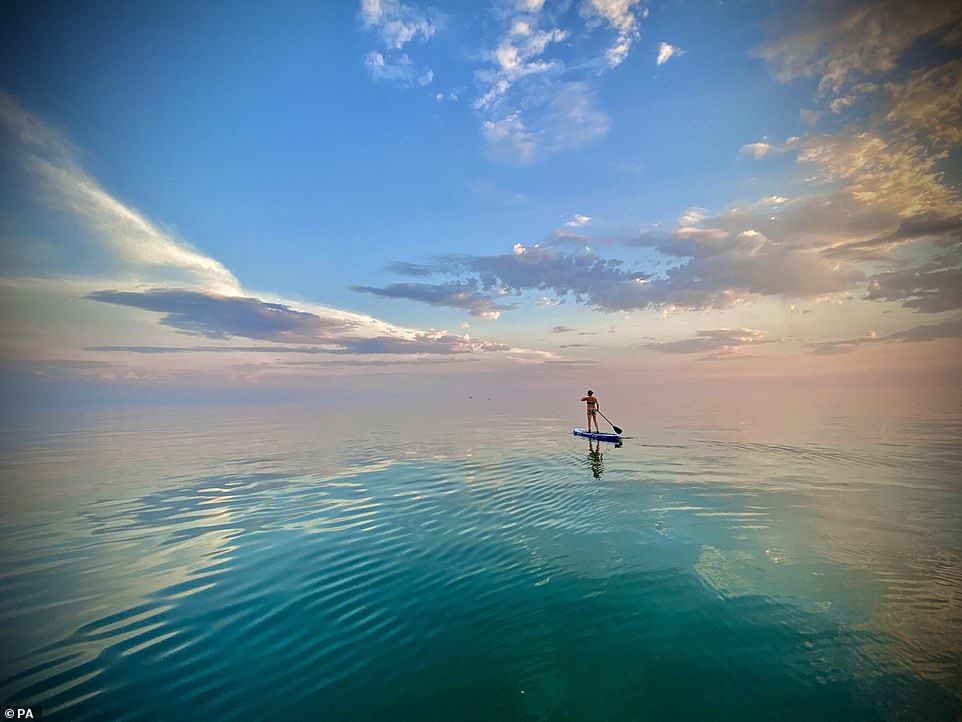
(757, 150)
(138, 242)
(622, 16)
(578, 220)
(511, 138)
(397, 68)
(666, 52)
(396, 23)
(161, 274)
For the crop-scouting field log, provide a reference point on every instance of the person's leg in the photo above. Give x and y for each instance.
(589, 421)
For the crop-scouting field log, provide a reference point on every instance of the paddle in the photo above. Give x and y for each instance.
(616, 428)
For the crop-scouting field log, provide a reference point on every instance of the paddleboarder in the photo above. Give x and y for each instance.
(592, 407)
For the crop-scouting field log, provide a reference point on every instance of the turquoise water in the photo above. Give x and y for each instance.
(275, 563)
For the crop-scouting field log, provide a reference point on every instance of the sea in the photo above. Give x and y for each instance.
(780, 559)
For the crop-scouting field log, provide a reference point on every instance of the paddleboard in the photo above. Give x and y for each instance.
(595, 435)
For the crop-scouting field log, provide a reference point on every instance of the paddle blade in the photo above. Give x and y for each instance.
(616, 428)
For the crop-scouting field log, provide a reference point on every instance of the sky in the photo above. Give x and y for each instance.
(579, 192)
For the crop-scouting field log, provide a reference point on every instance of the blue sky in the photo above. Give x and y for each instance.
(301, 190)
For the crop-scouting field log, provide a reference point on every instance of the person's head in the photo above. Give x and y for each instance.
(590, 392)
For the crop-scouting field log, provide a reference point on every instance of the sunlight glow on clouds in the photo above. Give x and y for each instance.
(194, 294)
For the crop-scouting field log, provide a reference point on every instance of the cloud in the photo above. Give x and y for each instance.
(578, 221)
(846, 42)
(950, 329)
(191, 293)
(666, 52)
(548, 115)
(398, 69)
(586, 276)
(896, 172)
(928, 290)
(464, 295)
(395, 25)
(536, 92)
(929, 100)
(137, 242)
(723, 341)
(563, 329)
(940, 231)
(621, 16)
(224, 318)
(758, 150)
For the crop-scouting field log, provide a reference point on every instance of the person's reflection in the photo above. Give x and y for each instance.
(596, 458)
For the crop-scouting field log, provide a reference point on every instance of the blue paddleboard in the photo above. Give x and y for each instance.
(594, 435)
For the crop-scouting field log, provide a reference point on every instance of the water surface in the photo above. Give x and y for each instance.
(223, 563)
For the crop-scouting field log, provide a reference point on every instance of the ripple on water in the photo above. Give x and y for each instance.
(683, 579)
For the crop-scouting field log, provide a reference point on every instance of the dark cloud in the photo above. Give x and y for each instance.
(928, 290)
(588, 277)
(917, 334)
(305, 349)
(422, 343)
(223, 317)
(943, 231)
(563, 329)
(540, 268)
(460, 294)
(403, 268)
(377, 363)
(725, 340)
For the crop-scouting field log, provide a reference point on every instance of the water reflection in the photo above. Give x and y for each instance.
(596, 456)
(221, 564)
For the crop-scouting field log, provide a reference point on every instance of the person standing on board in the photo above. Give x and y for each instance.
(592, 402)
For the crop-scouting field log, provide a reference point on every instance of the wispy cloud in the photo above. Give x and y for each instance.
(622, 16)
(928, 100)
(931, 289)
(185, 290)
(140, 244)
(950, 329)
(758, 150)
(722, 341)
(845, 43)
(465, 295)
(666, 52)
(223, 318)
(395, 25)
(398, 69)
(536, 80)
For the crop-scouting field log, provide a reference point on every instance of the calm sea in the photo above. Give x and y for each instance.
(466, 561)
